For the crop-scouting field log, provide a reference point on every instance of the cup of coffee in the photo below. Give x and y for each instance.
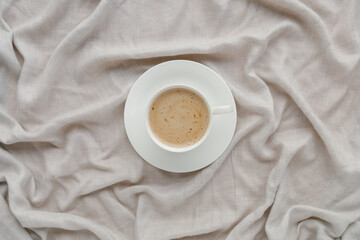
(179, 118)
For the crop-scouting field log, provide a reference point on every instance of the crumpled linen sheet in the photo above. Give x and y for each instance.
(68, 171)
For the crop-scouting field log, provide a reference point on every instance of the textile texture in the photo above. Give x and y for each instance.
(68, 170)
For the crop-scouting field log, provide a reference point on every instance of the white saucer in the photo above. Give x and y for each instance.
(179, 72)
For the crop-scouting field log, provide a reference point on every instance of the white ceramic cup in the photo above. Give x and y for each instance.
(212, 110)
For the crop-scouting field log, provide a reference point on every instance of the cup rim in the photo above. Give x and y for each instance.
(163, 145)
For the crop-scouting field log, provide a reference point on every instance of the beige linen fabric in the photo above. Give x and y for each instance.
(68, 171)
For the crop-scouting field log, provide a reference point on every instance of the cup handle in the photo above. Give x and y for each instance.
(221, 110)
